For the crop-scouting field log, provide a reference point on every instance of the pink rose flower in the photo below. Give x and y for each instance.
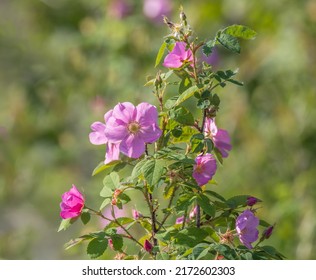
(72, 203)
(204, 169)
(132, 127)
(246, 226)
(220, 137)
(136, 215)
(178, 56)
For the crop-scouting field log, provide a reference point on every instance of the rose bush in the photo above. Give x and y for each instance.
(171, 154)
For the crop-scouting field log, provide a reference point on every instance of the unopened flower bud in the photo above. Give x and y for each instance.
(183, 17)
(267, 232)
(147, 246)
(193, 213)
(114, 201)
(252, 200)
(117, 192)
(110, 242)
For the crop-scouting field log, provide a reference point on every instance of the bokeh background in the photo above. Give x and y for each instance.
(64, 63)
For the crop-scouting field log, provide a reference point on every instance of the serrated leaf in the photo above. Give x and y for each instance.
(240, 31)
(207, 206)
(236, 201)
(137, 170)
(229, 42)
(190, 237)
(96, 247)
(153, 170)
(182, 115)
(101, 166)
(208, 47)
(112, 181)
(117, 242)
(124, 198)
(160, 53)
(186, 135)
(188, 93)
(85, 217)
(185, 84)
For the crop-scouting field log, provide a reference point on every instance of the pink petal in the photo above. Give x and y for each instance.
(133, 146)
(150, 134)
(146, 114)
(172, 61)
(97, 136)
(115, 130)
(108, 115)
(125, 112)
(112, 152)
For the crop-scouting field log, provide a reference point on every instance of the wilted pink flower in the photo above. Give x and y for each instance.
(156, 9)
(136, 214)
(251, 201)
(220, 137)
(246, 226)
(132, 127)
(97, 137)
(72, 203)
(193, 212)
(178, 56)
(204, 169)
(148, 246)
(180, 220)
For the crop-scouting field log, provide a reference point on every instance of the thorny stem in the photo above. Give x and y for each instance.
(167, 214)
(149, 200)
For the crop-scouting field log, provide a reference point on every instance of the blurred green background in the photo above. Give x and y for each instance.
(64, 63)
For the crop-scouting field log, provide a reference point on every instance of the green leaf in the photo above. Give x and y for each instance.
(106, 192)
(74, 242)
(112, 181)
(203, 103)
(240, 31)
(264, 223)
(65, 223)
(190, 237)
(185, 84)
(96, 247)
(206, 205)
(197, 142)
(186, 135)
(184, 201)
(236, 201)
(105, 203)
(85, 217)
(215, 194)
(188, 93)
(117, 242)
(170, 102)
(229, 42)
(153, 170)
(101, 167)
(137, 171)
(124, 198)
(182, 115)
(160, 53)
(208, 47)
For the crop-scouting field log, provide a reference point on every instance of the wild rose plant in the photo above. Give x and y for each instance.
(171, 156)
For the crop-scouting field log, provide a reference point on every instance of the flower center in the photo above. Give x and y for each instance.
(133, 127)
(199, 168)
